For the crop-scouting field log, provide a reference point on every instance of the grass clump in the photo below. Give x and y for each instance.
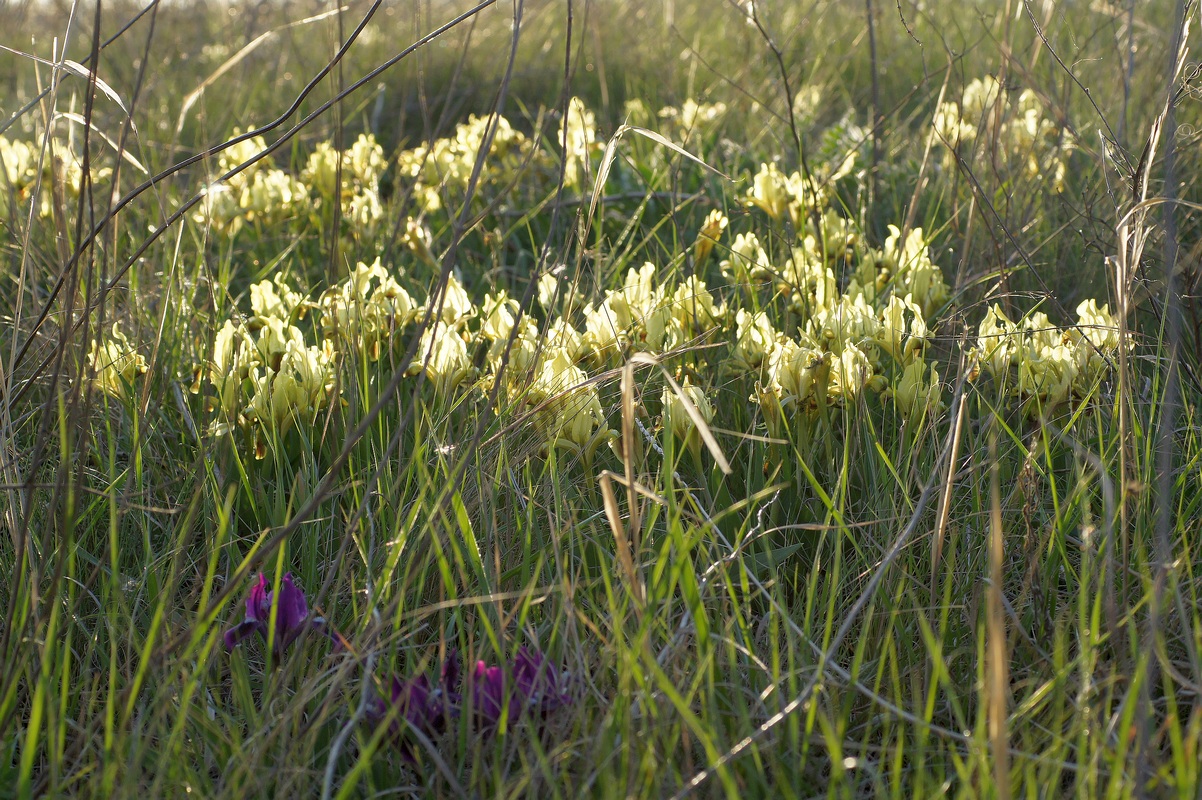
(661, 423)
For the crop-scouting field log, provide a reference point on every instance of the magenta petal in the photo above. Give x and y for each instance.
(292, 612)
(489, 696)
(416, 700)
(235, 635)
(258, 604)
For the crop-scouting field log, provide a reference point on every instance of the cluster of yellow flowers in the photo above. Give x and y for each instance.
(266, 377)
(263, 372)
(444, 166)
(685, 123)
(817, 324)
(437, 173)
(1054, 365)
(259, 194)
(266, 195)
(60, 165)
(691, 119)
(358, 192)
(1035, 146)
(845, 341)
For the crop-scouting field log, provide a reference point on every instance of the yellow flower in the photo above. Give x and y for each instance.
(755, 339)
(806, 195)
(274, 298)
(711, 232)
(365, 160)
(1047, 373)
(456, 306)
(917, 390)
(499, 313)
(769, 191)
(570, 409)
(522, 355)
(273, 196)
(294, 393)
(850, 322)
(662, 330)
(234, 356)
(115, 364)
(18, 171)
(638, 297)
(997, 342)
(798, 372)
(364, 211)
(367, 307)
(242, 152)
(691, 116)
(677, 418)
(1039, 331)
(851, 372)
(747, 260)
(577, 136)
(1098, 325)
(321, 170)
(603, 335)
(1096, 339)
(443, 356)
(274, 338)
(807, 280)
(903, 331)
(417, 238)
(693, 306)
(562, 336)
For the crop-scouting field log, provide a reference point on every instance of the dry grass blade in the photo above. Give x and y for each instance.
(125, 154)
(703, 427)
(998, 664)
(77, 69)
(611, 153)
(613, 515)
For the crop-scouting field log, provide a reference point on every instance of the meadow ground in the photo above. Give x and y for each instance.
(600, 398)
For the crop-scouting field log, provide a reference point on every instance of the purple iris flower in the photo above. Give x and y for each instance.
(417, 702)
(539, 686)
(533, 686)
(291, 619)
(424, 705)
(536, 688)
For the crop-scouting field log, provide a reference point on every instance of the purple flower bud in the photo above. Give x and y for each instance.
(490, 697)
(451, 672)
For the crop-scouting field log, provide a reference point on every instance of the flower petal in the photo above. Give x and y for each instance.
(489, 695)
(290, 617)
(235, 635)
(258, 604)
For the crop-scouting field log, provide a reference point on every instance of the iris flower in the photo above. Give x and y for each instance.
(540, 687)
(291, 619)
(529, 686)
(536, 689)
(424, 705)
